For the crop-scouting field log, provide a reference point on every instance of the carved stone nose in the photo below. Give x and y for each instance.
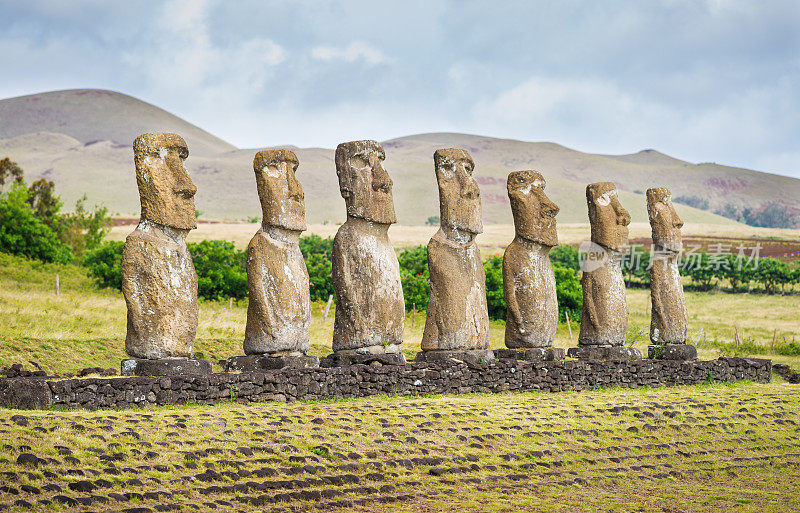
(380, 179)
(550, 208)
(623, 217)
(295, 189)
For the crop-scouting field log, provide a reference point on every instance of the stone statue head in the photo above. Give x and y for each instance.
(281, 195)
(664, 220)
(608, 218)
(364, 183)
(165, 189)
(459, 195)
(534, 213)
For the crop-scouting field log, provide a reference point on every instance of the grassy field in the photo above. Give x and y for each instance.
(85, 326)
(711, 447)
(703, 448)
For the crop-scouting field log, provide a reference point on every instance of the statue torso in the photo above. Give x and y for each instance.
(457, 317)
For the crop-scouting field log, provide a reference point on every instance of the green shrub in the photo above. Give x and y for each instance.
(636, 266)
(82, 229)
(698, 268)
(318, 253)
(414, 277)
(221, 271)
(790, 349)
(103, 264)
(568, 292)
(319, 276)
(495, 300)
(22, 233)
(738, 271)
(316, 245)
(771, 272)
(565, 256)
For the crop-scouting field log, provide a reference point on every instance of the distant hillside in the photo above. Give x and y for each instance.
(81, 140)
(92, 115)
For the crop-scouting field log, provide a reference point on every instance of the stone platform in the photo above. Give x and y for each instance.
(165, 367)
(415, 378)
(683, 352)
(346, 359)
(476, 356)
(532, 354)
(613, 353)
(252, 363)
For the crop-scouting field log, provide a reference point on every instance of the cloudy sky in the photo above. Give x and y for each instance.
(702, 80)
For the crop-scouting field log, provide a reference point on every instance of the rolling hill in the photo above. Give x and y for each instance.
(81, 139)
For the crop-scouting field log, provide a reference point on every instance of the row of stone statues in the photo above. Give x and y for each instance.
(160, 283)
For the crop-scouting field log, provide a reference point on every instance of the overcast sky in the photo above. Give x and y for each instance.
(705, 80)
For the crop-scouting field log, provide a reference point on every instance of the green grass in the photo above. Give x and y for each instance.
(85, 326)
(733, 447)
(702, 448)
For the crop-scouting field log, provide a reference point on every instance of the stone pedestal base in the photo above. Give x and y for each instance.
(475, 356)
(532, 354)
(165, 367)
(616, 353)
(259, 362)
(683, 352)
(345, 359)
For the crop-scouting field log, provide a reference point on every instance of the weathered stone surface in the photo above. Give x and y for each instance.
(616, 353)
(605, 311)
(469, 356)
(672, 352)
(165, 367)
(457, 317)
(366, 274)
(253, 363)
(159, 282)
(279, 307)
(529, 284)
(533, 354)
(669, 321)
(345, 359)
(165, 190)
(784, 371)
(25, 394)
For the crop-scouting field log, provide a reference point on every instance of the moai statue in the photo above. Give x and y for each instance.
(529, 284)
(604, 321)
(159, 282)
(457, 323)
(669, 322)
(370, 311)
(279, 308)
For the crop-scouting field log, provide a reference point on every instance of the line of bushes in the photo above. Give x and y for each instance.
(707, 271)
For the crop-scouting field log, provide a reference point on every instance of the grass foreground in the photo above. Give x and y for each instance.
(703, 448)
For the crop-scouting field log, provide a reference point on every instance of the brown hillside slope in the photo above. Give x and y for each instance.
(81, 140)
(91, 115)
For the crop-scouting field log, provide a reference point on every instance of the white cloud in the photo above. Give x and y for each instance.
(355, 51)
(598, 115)
(587, 113)
(181, 56)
